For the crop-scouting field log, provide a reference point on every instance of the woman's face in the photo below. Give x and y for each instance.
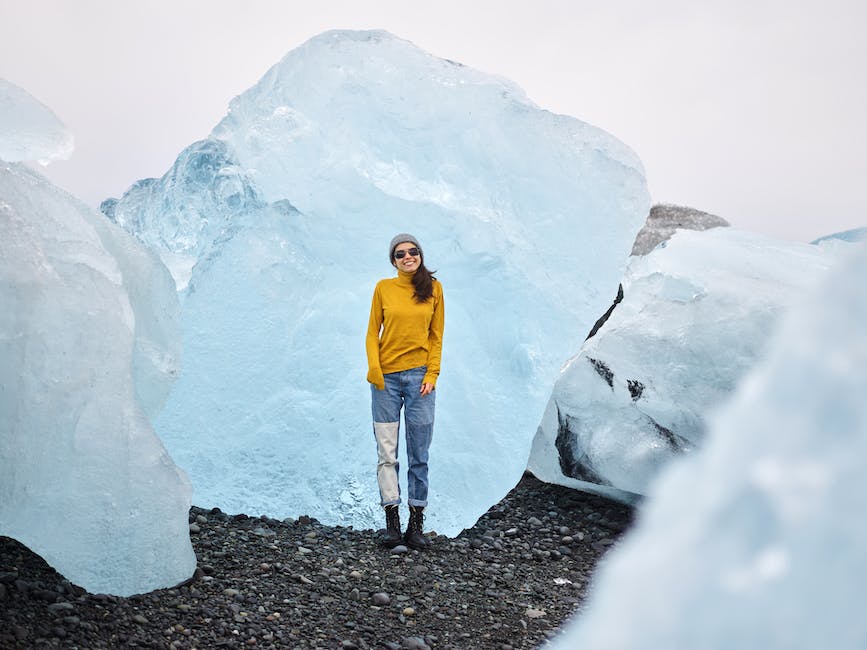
(408, 263)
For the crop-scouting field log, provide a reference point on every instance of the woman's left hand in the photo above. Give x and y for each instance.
(426, 389)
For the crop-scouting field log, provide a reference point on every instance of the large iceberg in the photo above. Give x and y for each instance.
(89, 346)
(758, 540)
(697, 313)
(277, 228)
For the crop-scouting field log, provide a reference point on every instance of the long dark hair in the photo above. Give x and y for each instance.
(422, 281)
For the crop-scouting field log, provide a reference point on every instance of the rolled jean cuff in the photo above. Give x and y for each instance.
(393, 502)
(417, 503)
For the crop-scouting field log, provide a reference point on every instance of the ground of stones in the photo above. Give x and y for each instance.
(510, 581)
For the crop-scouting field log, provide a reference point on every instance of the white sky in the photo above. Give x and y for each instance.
(753, 110)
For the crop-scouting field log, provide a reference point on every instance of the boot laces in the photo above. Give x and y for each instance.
(416, 520)
(392, 518)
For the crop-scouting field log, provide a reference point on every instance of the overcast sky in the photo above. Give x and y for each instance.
(753, 110)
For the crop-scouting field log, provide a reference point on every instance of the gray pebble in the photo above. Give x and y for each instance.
(138, 618)
(400, 548)
(60, 607)
(194, 528)
(414, 643)
(381, 598)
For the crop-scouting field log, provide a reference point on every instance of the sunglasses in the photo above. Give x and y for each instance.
(399, 255)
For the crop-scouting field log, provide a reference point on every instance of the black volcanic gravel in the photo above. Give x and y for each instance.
(510, 581)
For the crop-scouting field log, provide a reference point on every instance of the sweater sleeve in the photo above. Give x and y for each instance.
(435, 338)
(374, 369)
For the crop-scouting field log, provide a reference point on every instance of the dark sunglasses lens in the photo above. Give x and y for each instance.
(399, 255)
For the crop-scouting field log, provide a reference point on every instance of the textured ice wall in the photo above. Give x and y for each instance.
(286, 212)
(89, 346)
(697, 313)
(757, 541)
(29, 130)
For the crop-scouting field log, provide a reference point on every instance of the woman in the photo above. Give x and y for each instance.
(404, 345)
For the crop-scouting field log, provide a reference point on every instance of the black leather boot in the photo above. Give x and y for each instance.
(390, 537)
(414, 537)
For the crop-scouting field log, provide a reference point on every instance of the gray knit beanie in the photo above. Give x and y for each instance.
(399, 239)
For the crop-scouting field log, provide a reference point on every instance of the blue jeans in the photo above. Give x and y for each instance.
(402, 390)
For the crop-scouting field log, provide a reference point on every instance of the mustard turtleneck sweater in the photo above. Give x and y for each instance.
(411, 332)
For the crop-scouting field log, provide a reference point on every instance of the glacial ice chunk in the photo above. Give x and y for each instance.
(286, 212)
(29, 130)
(757, 540)
(89, 346)
(697, 313)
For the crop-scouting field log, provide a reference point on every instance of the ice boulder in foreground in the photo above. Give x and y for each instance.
(697, 313)
(29, 130)
(285, 213)
(757, 540)
(89, 345)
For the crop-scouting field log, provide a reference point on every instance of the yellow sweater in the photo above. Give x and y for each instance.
(411, 333)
